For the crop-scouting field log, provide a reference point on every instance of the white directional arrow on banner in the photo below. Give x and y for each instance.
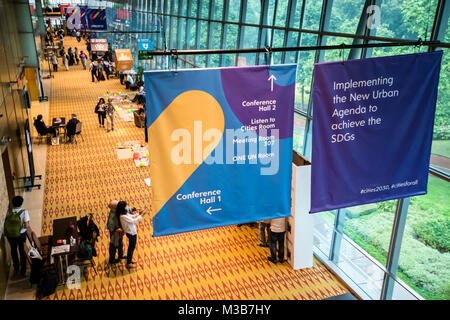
(210, 211)
(271, 78)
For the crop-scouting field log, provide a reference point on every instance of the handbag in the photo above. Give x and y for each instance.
(33, 253)
(55, 141)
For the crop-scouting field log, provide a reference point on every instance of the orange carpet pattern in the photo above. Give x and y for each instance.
(222, 263)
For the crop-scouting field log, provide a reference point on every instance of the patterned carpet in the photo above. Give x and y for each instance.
(222, 263)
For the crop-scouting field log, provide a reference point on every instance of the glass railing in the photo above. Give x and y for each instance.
(361, 272)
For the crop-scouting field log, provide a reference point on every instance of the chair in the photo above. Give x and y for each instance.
(41, 136)
(86, 262)
(78, 131)
(83, 263)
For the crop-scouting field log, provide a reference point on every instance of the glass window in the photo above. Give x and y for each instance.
(280, 19)
(299, 132)
(193, 12)
(190, 34)
(323, 230)
(370, 226)
(218, 10)
(231, 39)
(313, 9)
(336, 55)
(345, 15)
(304, 71)
(425, 253)
(183, 7)
(440, 157)
(253, 11)
(406, 19)
(204, 14)
(292, 41)
(235, 7)
(250, 41)
(297, 16)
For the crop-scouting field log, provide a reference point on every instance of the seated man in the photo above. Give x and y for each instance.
(129, 84)
(71, 127)
(140, 96)
(41, 128)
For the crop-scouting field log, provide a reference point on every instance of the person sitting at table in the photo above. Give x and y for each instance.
(72, 127)
(41, 128)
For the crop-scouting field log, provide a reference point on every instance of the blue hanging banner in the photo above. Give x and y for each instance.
(96, 19)
(220, 144)
(372, 129)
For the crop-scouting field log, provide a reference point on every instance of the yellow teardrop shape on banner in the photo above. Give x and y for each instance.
(186, 113)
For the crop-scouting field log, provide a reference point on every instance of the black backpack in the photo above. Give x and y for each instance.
(48, 281)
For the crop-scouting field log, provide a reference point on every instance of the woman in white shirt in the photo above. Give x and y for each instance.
(129, 218)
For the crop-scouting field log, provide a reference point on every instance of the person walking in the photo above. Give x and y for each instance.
(264, 239)
(72, 127)
(107, 69)
(77, 59)
(66, 61)
(110, 116)
(16, 226)
(83, 58)
(71, 57)
(100, 75)
(100, 110)
(129, 218)
(277, 231)
(55, 62)
(115, 234)
(93, 69)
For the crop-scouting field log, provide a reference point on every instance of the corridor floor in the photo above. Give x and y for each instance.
(222, 263)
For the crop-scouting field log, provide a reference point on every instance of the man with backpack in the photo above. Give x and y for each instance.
(15, 228)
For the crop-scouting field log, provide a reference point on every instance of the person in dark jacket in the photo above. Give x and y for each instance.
(87, 229)
(41, 128)
(71, 127)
